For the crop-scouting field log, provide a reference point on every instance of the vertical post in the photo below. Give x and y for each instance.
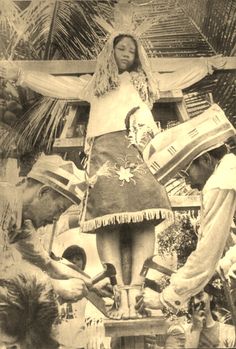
(9, 171)
(181, 110)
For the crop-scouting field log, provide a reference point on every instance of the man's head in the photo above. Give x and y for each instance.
(28, 310)
(76, 254)
(172, 151)
(200, 169)
(52, 186)
(42, 204)
(204, 301)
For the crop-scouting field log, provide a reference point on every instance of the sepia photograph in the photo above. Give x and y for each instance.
(117, 174)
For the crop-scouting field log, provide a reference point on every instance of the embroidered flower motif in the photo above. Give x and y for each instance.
(126, 171)
(124, 174)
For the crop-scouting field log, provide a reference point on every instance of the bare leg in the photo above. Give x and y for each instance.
(143, 241)
(108, 246)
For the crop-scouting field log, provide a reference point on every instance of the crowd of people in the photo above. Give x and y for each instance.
(122, 198)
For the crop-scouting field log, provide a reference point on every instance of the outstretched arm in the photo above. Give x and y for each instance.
(61, 87)
(189, 74)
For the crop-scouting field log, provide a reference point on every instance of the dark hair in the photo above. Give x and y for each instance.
(213, 304)
(137, 62)
(216, 153)
(127, 118)
(213, 307)
(74, 251)
(28, 310)
(219, 152)
(31, 183)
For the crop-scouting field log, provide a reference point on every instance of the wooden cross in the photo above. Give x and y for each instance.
(67, 142)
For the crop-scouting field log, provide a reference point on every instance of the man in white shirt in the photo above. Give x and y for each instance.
(197, 146)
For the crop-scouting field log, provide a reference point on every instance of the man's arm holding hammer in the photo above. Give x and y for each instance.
(69, 284)
(201, 264)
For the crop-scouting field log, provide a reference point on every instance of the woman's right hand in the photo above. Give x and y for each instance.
(8, 70)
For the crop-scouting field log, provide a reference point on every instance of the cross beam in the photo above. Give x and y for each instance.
(64, 67)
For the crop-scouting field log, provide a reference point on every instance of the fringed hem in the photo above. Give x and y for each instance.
(127, 217)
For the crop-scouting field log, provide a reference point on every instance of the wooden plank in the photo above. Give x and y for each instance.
(63, 67)
(9, 170)
(68, 144)
(137, 327)
(185, 202)
(181, 111)
(70, 120)
(170, 96)
(173, 64)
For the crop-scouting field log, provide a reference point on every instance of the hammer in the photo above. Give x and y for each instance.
(150, 264)
(109, 271)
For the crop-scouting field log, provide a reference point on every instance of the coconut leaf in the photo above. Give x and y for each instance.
(10, 25)
(66, 27)
(37, 128)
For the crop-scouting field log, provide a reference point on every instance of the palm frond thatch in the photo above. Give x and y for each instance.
(39, 126)
(64, 27)
(10, 25)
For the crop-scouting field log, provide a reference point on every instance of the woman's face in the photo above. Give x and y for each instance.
(124, 52)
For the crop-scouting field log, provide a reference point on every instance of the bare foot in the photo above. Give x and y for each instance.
(120, 308)
(134, 292)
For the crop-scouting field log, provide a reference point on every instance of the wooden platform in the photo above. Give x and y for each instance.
(130, 334)
(137, 327)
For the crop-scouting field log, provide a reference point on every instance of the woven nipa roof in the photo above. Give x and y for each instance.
(192, 29)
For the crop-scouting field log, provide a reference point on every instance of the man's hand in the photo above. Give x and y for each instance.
(62, 270)
(198, 317)
(31, 249)
(103, 289)
(70, 290)
(8, 71)
(149, 300)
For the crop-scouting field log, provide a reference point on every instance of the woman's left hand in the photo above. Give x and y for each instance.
(8, 70)
(216, 62)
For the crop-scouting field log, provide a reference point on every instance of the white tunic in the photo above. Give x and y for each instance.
(108, 112)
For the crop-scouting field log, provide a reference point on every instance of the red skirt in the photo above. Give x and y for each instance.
(122, 189)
